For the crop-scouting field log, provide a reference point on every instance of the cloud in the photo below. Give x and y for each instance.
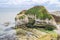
(28, 2)
(17, 2)
(53, 5)
(22, 3)
(56, 2)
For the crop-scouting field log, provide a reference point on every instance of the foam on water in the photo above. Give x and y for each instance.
(7, 32)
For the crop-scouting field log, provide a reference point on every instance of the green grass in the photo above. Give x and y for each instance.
(39, 11)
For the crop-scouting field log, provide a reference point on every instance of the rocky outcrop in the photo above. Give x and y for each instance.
(57, 18)
(32, 34)
(35, 24)
(21, 18)
(57, 13)
(37, 15)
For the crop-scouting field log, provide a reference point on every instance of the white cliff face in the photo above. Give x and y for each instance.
(52, 22)
(25, 19)
(58, 29)
(18, 22)
(21, 21)
(47, 21)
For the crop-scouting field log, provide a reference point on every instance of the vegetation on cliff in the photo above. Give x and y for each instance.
(40, 12)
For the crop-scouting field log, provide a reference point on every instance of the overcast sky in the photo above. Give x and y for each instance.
(51, 4)
(9, 8)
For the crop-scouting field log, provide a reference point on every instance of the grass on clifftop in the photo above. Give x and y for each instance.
(39, 11)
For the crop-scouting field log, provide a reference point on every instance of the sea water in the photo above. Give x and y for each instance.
(7, 33)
